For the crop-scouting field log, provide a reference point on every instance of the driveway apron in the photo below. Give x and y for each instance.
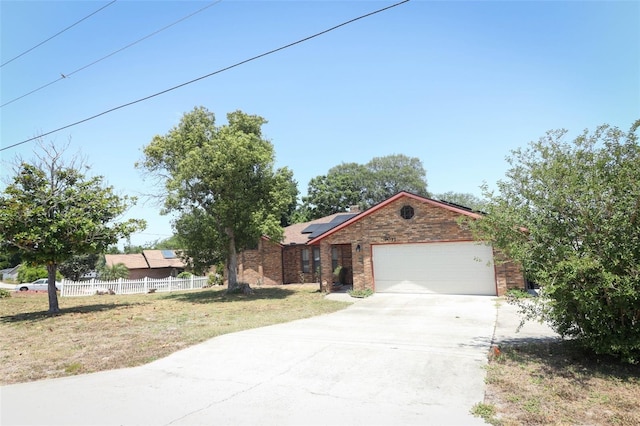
(388, 359)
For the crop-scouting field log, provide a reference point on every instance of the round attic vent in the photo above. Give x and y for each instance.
(406, 212)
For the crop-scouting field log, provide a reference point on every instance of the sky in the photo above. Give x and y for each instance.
(457, 84)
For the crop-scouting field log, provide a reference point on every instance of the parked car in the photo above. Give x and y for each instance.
(41, 284)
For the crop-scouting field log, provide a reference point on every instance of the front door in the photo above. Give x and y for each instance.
(341, 264)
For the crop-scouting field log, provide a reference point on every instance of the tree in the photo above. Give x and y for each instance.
(9, 260)
(344, 185)
(288, 215)
(350, 184)
(77, 265)
(222, 183)
(570, 214)
(113, 272)
(171, 243)
(394, 173)
(464, 199)
(51, 211)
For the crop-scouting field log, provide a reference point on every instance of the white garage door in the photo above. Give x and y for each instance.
(447, 268)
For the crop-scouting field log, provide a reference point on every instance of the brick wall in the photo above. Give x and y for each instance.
(263, 265)
(429, 224)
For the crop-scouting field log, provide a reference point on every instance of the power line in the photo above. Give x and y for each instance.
(67, 75)
(237, 64)
(58, 33)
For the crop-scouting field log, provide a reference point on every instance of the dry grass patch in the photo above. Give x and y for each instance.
(105, 332)
(549, 383)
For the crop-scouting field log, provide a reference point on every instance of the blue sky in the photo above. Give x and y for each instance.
(457, 84)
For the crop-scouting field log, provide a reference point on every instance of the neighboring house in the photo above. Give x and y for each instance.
(406, 244)
(149, 263)
(9, 274)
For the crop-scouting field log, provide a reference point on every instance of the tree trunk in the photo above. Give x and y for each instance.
(53, 295)
(232, 265)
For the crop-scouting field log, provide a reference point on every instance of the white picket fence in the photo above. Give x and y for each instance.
(121, 286)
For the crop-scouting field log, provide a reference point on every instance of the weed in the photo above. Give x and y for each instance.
(73, 368)
(4, 293)
(361, 293)
(486, 412)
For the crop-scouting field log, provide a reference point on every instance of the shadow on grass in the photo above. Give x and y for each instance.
(569, 359)
(42, 315)
(221, 296)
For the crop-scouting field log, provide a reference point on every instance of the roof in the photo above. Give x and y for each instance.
(131, 261)
(163, 259)
(147, 259)
(441, 204)
(300, 233)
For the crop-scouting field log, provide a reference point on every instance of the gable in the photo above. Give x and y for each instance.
(430, 218)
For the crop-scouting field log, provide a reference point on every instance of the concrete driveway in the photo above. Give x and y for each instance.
(387, 359)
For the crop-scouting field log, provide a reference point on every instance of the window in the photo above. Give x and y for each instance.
(316, 260)
(305, 260)
(334, 258)
(406, 212)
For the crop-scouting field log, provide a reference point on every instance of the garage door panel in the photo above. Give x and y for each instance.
(448, 268)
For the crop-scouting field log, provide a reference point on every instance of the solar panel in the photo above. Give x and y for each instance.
(168, 254)
(342, 218)
(322, 228)
(309, 229)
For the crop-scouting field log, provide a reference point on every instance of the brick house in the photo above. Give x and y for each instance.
(149, 263)
(406, 244)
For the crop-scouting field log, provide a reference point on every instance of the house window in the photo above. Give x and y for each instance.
(406, 212)
(334, 258)
(316, 260)
(305, 260)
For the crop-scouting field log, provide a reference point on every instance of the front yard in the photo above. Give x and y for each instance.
(556, 383)
(106, 332)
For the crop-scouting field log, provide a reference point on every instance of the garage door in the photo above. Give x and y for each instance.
(447, 268)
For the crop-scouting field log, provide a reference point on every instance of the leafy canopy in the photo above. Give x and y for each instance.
(569, 212)
(222, 183)
(51, 212)
(350, 184)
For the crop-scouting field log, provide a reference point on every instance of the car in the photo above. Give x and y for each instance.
(41, 284)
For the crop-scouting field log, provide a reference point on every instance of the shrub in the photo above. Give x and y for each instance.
(568, 213)
(360, 294)
(4, 293)
(27, 274)
(215, 279)
(184, 274)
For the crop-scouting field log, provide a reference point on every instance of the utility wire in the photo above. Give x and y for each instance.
(67, 75)
(58, 33)
(237, 64)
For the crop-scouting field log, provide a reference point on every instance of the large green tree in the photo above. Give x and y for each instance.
(364, 185)
(221, 182)
(569, 212)
(51, 212)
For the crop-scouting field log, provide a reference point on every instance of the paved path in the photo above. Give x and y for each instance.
(386, 360)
